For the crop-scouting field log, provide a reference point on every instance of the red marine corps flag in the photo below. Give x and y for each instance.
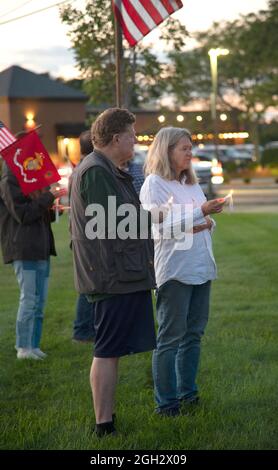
(138, 17)
(29, 161)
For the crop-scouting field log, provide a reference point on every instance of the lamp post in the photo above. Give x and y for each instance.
(213, 55)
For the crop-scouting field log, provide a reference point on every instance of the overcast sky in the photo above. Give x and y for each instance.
(40, 42)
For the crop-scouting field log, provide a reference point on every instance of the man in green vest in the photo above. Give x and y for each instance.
(113, 269)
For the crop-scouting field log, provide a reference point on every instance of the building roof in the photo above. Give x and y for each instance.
(17, 82)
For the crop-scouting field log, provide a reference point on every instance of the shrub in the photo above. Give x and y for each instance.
(270, 157)
(230, 167)
(227, 178)
(246, 180)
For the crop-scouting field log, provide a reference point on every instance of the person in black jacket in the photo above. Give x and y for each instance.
(83, 326)
(27, 242)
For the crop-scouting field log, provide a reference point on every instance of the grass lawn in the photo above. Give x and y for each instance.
(47, 404)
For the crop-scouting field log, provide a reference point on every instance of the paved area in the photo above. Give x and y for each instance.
(260, 195)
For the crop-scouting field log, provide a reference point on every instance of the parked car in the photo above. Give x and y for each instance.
(207, 168)
(272, 145)
(239, 155)
(209, 171)
(248, 150)
(210, 151)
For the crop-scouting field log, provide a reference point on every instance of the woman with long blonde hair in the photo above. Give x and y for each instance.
(183, 272)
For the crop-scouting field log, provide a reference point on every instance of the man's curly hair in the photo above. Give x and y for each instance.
(112, 121)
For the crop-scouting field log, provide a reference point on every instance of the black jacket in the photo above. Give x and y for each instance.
(24, 222)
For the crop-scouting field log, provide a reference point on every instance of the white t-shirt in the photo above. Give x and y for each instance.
(195, 265)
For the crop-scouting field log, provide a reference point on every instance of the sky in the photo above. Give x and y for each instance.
(40, 43)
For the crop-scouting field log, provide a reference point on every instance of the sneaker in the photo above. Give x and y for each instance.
(23, 353)
(39, 353)
(192, 401)
(189, 405)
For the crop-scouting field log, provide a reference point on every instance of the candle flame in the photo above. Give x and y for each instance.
(230, 198)
(230, 195)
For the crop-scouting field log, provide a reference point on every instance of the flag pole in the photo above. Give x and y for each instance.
(118, 56)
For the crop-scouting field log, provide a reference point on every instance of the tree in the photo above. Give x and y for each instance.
(92, 36)
(250, 70)
(72, 82)
(247, 77)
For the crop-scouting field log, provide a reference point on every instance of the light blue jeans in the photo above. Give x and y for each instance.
(182, 314)
(32, 277)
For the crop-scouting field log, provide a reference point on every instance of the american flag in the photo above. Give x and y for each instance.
(6, 137)
(138, 17)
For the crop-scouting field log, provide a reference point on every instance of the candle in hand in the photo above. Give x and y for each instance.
(170, 201)
(229, 198)
(57, 207)
(57, 210)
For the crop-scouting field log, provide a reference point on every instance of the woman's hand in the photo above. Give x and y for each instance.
(209, 222)
(207, 226)
(213, 207)
(199, 228)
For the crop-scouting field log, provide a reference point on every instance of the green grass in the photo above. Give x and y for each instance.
(47, 404)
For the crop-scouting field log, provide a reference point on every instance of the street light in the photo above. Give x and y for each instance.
(161, 118)
(213, 55)
(223, 117)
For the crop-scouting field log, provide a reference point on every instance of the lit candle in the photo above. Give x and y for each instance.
(170, 201)
(230, 198)
(57, 210)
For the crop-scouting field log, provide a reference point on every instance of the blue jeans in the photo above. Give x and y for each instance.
(83, 327)
(182, 314)
(32, 277)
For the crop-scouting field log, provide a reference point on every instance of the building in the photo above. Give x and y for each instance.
(28, 99)
(148, 123)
